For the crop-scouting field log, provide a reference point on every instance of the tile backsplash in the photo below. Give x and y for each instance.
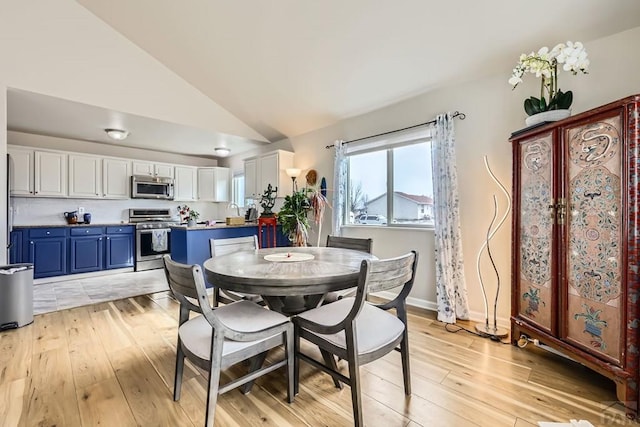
(50, 211)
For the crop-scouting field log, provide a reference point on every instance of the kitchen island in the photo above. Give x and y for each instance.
(190, 245)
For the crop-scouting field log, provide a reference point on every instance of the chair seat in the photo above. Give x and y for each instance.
(375, 328)
(242, 316)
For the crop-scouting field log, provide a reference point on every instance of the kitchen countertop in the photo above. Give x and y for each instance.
(106, 224)
(216, 225)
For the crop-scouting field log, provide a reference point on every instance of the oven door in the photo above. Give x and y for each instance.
(152, 244)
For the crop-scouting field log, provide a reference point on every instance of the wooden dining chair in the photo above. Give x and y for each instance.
(359, 331)
(226, 246)
(223, 336)
(357, 244)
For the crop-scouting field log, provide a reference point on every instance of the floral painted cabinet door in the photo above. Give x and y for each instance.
(535, 293)
(594, 224)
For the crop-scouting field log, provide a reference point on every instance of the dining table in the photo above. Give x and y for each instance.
(289, 279)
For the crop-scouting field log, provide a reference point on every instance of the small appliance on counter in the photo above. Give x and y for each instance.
(87, 218)
(71, 217)
(251, 214)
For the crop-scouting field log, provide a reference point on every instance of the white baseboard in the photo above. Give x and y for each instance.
(474, 316)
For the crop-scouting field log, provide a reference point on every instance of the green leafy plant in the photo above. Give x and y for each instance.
(544, 64)
(293, 217)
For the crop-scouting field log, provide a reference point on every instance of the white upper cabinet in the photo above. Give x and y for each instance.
(186, 183)
(116, 178)
(20, 171)
(85, 176)
(92, 177)
(214, 184)
(251, 179)
(50, 174)
(269, 168)
(152, 169)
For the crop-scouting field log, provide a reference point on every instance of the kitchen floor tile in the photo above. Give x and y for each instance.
(48, 297)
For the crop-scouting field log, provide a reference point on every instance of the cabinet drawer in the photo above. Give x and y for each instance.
(127, 229)
(87, 231)
(38, 233)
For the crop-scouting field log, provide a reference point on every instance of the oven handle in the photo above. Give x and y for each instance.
(151, 230)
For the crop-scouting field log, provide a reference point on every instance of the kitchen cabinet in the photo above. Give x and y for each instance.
(152, 169)
(214, 184)
(575, 246)
(119, 250)
(85, 176)
(186, 183)
(85, 249)
(57, 251)
(269, 168)
(92, 177)
(16, 247)
(20, 171)
(37, 173)
(251, 179)
(116, 178)
(50, 174)
(47, 251)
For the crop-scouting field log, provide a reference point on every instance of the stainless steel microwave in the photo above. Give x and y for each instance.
(151, 187)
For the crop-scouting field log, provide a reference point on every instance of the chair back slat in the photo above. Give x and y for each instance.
(234, 244)
(391, 273)
(357, 244)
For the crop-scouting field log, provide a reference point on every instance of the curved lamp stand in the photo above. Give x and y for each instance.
(485, 328)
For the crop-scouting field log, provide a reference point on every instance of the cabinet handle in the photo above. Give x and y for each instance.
(48, 232)
(31, 242)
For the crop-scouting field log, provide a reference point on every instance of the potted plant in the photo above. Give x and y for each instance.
(293, 217)
(188, 214)
(544, 64)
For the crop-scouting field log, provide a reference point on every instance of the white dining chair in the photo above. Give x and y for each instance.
(223, 336)
(359, 331)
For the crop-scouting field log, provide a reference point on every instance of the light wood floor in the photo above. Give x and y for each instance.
(111, 364)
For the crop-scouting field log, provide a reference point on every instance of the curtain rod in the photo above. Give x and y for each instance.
(455, 114)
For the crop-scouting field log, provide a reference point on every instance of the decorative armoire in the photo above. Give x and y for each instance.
(576, 240)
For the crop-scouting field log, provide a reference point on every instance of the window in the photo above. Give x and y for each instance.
(237, 195)
(400, 166)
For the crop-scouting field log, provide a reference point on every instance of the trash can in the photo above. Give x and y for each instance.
(16, 295)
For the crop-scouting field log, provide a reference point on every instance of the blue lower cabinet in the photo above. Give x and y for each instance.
(58, 251)
(119, 247)
(16, 247)
(85, 249)
(47, 251)
(191, 246)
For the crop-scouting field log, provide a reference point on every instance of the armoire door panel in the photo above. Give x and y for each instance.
(535, 293)
(595, 307)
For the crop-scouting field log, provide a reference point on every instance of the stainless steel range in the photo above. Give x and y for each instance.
(153, 236)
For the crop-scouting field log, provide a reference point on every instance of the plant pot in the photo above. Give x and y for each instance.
(547, 116)
(191, 223)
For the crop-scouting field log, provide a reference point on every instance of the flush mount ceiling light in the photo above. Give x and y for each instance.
(117, 134)
(222, 151)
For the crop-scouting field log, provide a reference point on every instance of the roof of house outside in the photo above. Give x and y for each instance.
(419, 199)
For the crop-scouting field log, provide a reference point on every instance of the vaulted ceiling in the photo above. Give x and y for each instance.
(287, 67)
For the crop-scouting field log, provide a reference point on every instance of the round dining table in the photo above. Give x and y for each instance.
(289, 279)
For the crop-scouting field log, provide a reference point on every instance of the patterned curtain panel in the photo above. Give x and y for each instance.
(340, 187)
(451, 290)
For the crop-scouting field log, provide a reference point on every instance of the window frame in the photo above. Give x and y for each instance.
(388, 147)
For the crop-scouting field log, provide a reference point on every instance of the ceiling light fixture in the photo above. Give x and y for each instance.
(222, 151)
(117, 134)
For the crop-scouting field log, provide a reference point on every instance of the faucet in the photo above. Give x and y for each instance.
(234, 205)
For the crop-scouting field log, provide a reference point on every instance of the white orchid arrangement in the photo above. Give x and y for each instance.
(544, 64)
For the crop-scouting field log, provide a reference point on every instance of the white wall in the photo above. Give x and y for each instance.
(493, 111)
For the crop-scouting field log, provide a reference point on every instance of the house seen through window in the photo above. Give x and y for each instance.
(400, 167)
